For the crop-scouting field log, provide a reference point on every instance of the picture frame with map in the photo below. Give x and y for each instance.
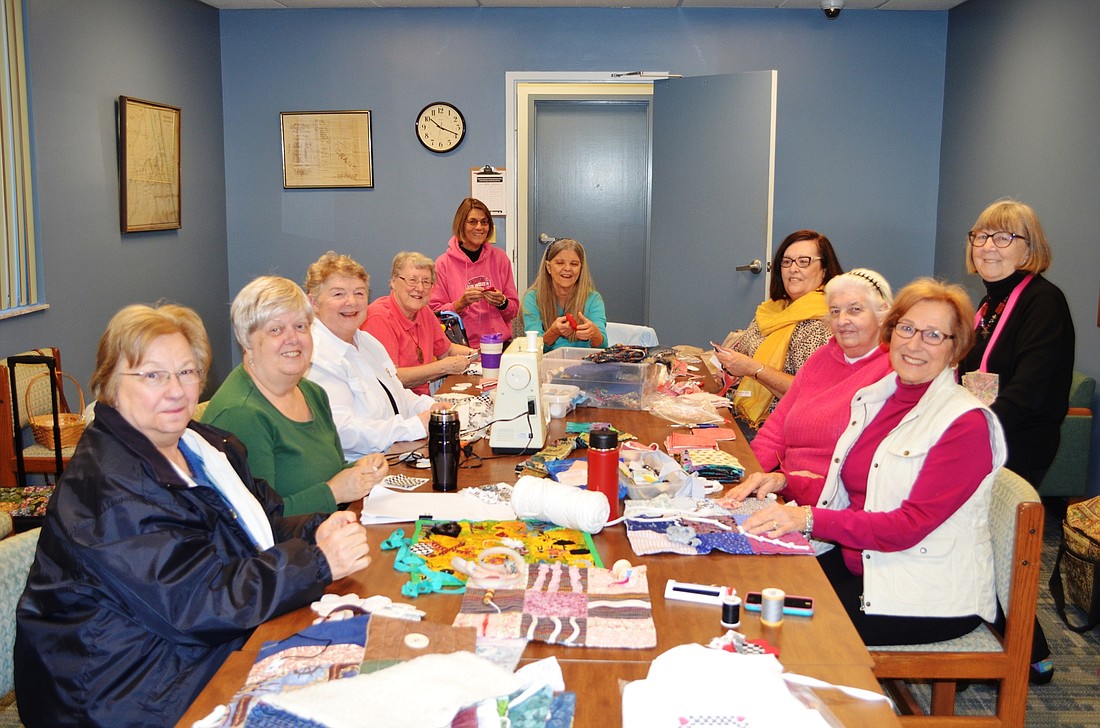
(149, 165)
(326, 149)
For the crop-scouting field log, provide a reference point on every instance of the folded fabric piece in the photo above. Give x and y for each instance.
(322, 652)
(690, 685)
(426, 692)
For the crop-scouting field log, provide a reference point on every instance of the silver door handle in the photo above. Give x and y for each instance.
(756, 266)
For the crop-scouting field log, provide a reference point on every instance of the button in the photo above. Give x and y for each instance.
(906, 452)
(416, 641)
(924, 551)
(876, 465)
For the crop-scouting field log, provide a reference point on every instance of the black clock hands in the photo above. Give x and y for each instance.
(442, 127)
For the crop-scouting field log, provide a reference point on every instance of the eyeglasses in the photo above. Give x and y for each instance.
(803, 261)
(932, 337)
(477, 223)
(1001, 238)
(159, 379)
(417, 282)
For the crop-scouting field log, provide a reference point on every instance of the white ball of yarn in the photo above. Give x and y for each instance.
(585, 510)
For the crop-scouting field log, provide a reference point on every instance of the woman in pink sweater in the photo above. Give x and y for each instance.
(799, 436)
(474, 278)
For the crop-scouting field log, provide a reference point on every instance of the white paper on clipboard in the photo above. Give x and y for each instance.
(488, 184)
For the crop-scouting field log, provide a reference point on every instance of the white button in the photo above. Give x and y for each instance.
(416, 641)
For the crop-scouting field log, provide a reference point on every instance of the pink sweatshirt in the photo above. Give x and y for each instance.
(802, 431)
(455, 272)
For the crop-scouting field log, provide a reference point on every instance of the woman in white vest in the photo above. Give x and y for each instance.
(907, 493)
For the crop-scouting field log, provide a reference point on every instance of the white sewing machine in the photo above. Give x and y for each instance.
(519, 418)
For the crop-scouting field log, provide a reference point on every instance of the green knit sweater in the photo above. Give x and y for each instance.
(295, 458)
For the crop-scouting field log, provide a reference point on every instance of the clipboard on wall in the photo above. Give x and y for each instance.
(487, 184)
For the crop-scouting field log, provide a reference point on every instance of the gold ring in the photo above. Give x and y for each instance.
(775, 525)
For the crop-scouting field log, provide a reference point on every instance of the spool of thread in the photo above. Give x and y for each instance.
(771, 606)
(563, 505)
(731, 609)
(533, 341)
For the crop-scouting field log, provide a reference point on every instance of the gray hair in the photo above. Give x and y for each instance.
(263, 299)
(869, 284)
(413, 260)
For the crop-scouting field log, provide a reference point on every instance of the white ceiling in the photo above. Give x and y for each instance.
(789, 4)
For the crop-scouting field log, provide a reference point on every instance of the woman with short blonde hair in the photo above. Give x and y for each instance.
(284, 419)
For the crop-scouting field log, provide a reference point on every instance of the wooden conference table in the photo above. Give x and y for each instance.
(825, 646)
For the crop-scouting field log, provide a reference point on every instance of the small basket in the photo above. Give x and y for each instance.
(70, 424)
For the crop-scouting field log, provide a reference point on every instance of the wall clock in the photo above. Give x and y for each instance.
(440, 127)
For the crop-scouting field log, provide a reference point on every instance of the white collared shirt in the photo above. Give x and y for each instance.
(352, 376)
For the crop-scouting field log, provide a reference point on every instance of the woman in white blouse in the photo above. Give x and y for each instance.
(370, 406)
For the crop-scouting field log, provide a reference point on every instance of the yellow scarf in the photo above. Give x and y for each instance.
(776, 320)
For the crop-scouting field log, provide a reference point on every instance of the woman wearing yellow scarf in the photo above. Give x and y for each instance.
(786, 329)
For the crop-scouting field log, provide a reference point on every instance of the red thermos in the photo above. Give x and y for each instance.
(603, 467)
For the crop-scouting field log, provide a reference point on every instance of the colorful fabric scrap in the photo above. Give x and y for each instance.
(566, 605)
(724, 533)
(326, 651)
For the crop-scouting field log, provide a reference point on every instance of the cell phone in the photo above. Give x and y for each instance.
(796, 606)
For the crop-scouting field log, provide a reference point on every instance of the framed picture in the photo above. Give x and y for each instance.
(149, 165)
(326, 149)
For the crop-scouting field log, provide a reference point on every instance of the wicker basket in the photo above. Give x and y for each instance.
(70, 424)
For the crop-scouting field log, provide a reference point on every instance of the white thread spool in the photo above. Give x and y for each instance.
(564, 505)
(771, 606)
(532, 340)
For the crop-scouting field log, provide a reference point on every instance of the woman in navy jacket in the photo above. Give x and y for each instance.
(160, 553)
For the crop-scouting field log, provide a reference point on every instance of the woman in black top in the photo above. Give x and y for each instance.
(1023, 356)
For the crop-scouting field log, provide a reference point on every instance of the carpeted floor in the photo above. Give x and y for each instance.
(1070, 699)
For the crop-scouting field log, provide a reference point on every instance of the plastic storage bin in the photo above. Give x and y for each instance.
(558, 398)
(617, 385)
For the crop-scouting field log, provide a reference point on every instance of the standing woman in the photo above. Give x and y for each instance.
(284, 419)
(787, 328)
(474, 278)
(1022, 362)
(563, 305)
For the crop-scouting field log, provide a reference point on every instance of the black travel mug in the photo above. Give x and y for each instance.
(443, 449)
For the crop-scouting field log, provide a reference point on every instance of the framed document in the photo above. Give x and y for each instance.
(326, 149)
(149, 165)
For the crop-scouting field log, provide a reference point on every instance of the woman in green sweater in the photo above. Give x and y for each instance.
(284, 419)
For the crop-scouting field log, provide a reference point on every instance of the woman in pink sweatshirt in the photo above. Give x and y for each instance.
(474, 278)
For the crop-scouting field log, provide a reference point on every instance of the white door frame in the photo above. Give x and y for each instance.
(519, 85)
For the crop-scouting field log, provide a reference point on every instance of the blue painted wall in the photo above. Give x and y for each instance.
(81, 57)
(1022, 101)
(862, 102)
(859, 113)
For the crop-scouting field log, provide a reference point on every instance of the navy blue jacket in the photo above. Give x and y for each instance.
(142, 586)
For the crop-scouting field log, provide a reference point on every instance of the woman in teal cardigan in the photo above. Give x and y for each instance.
(284, 419)
(563, 305)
